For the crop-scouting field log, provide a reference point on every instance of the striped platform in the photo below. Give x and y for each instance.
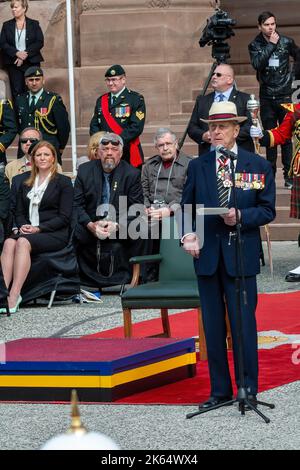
(102, 370)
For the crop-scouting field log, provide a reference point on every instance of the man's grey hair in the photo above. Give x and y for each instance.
(112, 137)
(161, 132)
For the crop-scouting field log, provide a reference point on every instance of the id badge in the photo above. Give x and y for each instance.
(274, 61)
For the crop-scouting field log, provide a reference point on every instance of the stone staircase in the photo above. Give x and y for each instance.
(283, 227)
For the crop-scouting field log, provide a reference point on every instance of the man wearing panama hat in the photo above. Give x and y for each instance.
(209, 182)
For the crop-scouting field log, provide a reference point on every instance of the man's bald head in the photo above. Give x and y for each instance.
(223, 78)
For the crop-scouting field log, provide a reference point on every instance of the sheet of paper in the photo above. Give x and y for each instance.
(213, 211)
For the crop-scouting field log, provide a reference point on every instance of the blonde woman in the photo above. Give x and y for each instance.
(21, 42)
(43, 217)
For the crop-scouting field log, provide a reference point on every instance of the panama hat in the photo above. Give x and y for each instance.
(224, 111)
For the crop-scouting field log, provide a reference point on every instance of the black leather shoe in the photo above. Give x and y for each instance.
(291, 277)
(213, 401)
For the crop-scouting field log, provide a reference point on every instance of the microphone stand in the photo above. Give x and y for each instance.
(241, 296)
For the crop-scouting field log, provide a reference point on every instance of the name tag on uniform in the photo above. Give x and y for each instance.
(274, 61)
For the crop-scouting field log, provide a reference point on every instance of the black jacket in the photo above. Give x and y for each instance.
(129, 111)
(126, 181)
(8, 127)
(275, 82)
(202, 106)
(34, 42)
(50, 117)
(55, 210)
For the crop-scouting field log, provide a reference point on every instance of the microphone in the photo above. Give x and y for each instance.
(227, 153)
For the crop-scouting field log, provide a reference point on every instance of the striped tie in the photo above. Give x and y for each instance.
(222, 190)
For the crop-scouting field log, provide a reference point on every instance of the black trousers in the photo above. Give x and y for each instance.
(16, 78)
(272, 114)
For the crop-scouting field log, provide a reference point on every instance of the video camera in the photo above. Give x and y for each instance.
(218, 29)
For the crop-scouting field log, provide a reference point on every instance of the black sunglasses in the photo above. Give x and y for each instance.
(108, 141)
(29, 139)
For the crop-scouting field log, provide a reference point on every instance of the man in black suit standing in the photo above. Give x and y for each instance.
(223, 84)
(43, 110)
(105, 192)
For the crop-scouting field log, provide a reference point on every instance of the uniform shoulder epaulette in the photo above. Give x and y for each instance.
(290, 107)
(6, 101)
(134, 92)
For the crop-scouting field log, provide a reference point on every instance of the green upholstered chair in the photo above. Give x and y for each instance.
(176, 288)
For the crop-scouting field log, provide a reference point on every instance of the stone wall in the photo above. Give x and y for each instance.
(288, 20)
(155, 40)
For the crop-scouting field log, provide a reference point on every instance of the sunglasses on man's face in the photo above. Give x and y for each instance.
(24, 140)
(112, 142)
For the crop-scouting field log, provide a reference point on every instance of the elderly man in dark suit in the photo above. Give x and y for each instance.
(209, 182)
(223, 84)
(105, 191)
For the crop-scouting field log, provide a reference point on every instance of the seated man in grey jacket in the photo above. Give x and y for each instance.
(163, 178)
(164, 175)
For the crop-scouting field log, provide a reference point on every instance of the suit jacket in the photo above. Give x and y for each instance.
(257, 208)
(201, 109)
(129, 111)
(34, 42)
(8, 127)
(126, 181)
(55, 209)
(50, 117)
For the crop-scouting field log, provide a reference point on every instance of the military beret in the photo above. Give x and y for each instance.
(114, 71)
(33, 72)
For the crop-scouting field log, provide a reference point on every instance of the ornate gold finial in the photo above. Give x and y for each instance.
(76, 424)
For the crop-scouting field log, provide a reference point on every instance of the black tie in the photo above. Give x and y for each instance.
(114, 99)
(32, 104)
(223, 190)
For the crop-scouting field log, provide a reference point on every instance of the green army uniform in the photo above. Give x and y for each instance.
(8, 127)
(49, 116)
(129, 111)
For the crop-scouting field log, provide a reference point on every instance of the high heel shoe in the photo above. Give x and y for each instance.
(17, 306)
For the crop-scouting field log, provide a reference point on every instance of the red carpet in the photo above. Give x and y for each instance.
(278, 366)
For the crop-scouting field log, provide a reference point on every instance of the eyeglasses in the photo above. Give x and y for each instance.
(218, 74)
(168, 144)
(112, 80)
(32, 140)
(108, 141)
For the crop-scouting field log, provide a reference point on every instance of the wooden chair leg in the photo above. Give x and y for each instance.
(165, 322)
(228, 329)
(127, 322)
(202, 340)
